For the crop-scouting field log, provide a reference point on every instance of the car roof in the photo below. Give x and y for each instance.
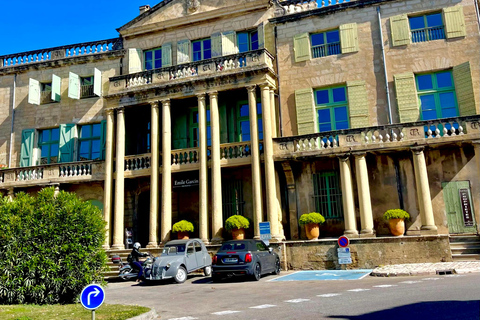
(175, 242)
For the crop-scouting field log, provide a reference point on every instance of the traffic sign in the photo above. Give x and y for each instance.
(343, 250)
(344, 260)
(343, 255)
(343, 242)
(265, 233)
(92, 296)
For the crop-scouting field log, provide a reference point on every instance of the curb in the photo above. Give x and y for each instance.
(152, 314)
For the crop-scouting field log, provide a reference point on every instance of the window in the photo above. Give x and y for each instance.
(247, 41)
(89, 142)
(202, 49)
(436, 94)
(86, 87)
(328, 195)
(325, 43)
(46, 93)
(331, 106)
(427, 27)
(232, 198)
(261, 246)
(48, 145)
(243, 122)
(153, 59)
(194, 134)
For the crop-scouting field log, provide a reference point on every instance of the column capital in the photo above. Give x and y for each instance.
(109, 111)
(213, 93)
(264, 85)
(155, 104)
(476, 142)
(417, 150)
(251, 87)
(164, 101)
(120, 109)
(344, 157)
(359, 154)
(201, 96)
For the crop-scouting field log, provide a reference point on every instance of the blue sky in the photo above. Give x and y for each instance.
(30, 25)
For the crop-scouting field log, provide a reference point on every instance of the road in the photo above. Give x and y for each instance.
(369, 298)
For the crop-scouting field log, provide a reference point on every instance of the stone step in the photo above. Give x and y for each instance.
(466, 257)
(460, 251)
(464, 238)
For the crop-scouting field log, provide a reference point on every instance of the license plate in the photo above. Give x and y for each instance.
(230, 260)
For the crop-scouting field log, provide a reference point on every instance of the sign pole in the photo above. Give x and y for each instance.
(93, 314)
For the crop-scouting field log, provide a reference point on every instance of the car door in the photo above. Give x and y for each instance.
(263, 255)
(199, 254)
(190, 259)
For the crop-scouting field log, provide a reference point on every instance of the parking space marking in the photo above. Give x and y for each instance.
(385, 286)
(358, 290)
(297, 300)
(184, 318)
(312, 275)
(431, 279)
(410, 282)
(263, 306)
(328, 295)
(221, 313)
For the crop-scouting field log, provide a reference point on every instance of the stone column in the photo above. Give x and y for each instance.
(423, 191)
(166, 219)
(347, 197)
(255, 147)
(364, 200)
(272, 208)
(152, 236)
(202, 144)
(217, 213)
(107, 188)
(118, 230)
(273, 113)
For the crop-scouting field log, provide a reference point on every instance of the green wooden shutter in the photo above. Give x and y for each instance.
(454, 22)
(67, 142)
(406, 94)
(462, 77)
(453, 206)
(180, 131)
(222, 110)
(26, 150)
(216, 40)
(97, 82)
(233, 135)
(135, 57)
(400, 30)
(167, 54)
(183, 51)
(34, 91)
(301, 47)
(73, 86)
(348, 37)
(306, 117)
(229, 43)
(261, 36)
(103, 138)
(358, 104)
(56, 87)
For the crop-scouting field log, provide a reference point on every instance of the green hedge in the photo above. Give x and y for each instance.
(50, 247)
(183, 226)
(312, 217)
(236, 222)
(396, 214)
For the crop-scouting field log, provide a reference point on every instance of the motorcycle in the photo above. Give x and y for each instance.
(126, 270)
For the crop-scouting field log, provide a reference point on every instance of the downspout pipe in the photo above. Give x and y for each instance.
(13, 120)
(280, 125)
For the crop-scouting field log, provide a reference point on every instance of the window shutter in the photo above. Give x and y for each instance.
(400, 30)
(180, 131)
(183, 51)
(34, 91)
(306, 118)
(56, 87)
(73, 86)
(167, 54)
(358, 104)
(349, 37)
(26, 150)
(229, 43)
(261, 36)
(67, 142)
(301, 47)
(135, 60)
(454, 22)
(462, 77)
(216, 40)
(103, 138)
(406, 94)
(97, 82)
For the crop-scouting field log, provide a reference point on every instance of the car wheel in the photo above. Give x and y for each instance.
(181, 275)
(207, 271)
(257, 272)
(277, 267)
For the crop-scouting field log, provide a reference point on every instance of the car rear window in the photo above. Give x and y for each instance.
(234, 246)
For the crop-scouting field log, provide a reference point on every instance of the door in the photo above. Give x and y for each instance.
(190, 259)
(265, 257)
(458, 207)
(199, 254)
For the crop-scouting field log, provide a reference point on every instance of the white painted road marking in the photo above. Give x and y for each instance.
(184, 318)
(411, 282)
(297, 300)
(263, 306)
(221, 313)
(428, 279)
(385, 286)
(358, 290)
(328, 295)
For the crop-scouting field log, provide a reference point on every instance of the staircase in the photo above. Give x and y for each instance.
(465, 247)
(113, 273)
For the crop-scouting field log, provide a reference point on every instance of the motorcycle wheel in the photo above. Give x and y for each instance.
(125, 274)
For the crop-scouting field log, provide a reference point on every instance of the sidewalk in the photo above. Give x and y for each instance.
(423, 269)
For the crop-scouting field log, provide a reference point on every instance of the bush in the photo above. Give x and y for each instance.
(183, 226)
(50, 247)
(312, 217)
(396, 214)
(237, 222)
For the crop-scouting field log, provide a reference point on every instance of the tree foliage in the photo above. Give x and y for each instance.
(50, 247)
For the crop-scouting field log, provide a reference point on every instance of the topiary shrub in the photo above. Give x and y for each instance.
(50, 247)
(312, 217)
(183, 226)
(396, 214)
(236, 222)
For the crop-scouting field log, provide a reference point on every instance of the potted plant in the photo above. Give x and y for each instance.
(396, 220)
(182, 228)
(237, 225)
(311, 221)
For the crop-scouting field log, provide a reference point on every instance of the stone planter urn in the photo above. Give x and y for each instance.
(183, 235)
(397, 226)
(238, 234)
(312, 230)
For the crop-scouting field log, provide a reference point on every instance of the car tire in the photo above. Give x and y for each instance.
(257, 272)
(277, 267)
(181, 275)
(216, 278)
(207, 271)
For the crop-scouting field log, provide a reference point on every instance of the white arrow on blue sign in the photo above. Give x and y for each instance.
(92, 296)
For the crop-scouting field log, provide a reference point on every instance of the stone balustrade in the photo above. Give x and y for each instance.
(294, 6)
(235, 150)
(138, 162)
(185, 156)
(55, 53)
(75, 170)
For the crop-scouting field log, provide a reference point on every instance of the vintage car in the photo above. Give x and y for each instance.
(179, 258)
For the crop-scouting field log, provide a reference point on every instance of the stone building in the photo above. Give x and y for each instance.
(271, 110)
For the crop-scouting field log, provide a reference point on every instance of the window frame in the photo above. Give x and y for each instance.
(336, 46)
(202, 49)
(89, 139)
(86, 89)
(331, 210)
(425, 32)
(331, 106)
(46, 93)
(194, 127)
(250, 42)
(153, 60)
(239, 119)
(49, 144)
(435, 91)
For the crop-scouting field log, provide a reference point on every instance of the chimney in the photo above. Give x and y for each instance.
(144, 8)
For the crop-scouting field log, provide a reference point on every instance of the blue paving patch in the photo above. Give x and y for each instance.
(325, 275)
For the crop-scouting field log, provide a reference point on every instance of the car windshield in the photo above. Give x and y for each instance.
(234, 246)
(173, 249)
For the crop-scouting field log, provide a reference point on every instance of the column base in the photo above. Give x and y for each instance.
(367, 234)
(277, 238)
(351, 233)
(421, 232)
(106, 246)
(152, 245)
(118, 247)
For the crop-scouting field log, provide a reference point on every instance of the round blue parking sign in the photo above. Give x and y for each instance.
(92, 296)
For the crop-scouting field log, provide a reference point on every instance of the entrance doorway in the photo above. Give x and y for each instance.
(458, 206)
(141, 224)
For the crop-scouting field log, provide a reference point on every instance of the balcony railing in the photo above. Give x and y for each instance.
(326, 50)
(294, 6)
(138, 162)
(79, 49)
(86, 91)
(46, 97)
(428, 34)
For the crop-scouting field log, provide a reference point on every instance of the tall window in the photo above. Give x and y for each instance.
(436, 93)
(48, 145)
(86, 90)
(247, 41)
(232, 198)
(325, 43)
(194, 134)
(153, 59)
(328, 195)
(202, 49)
(427, 27)
(46, 93)
(332, 111)
(243, 122)
(89, 142)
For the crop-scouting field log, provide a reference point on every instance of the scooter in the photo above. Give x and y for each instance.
(126, 270)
